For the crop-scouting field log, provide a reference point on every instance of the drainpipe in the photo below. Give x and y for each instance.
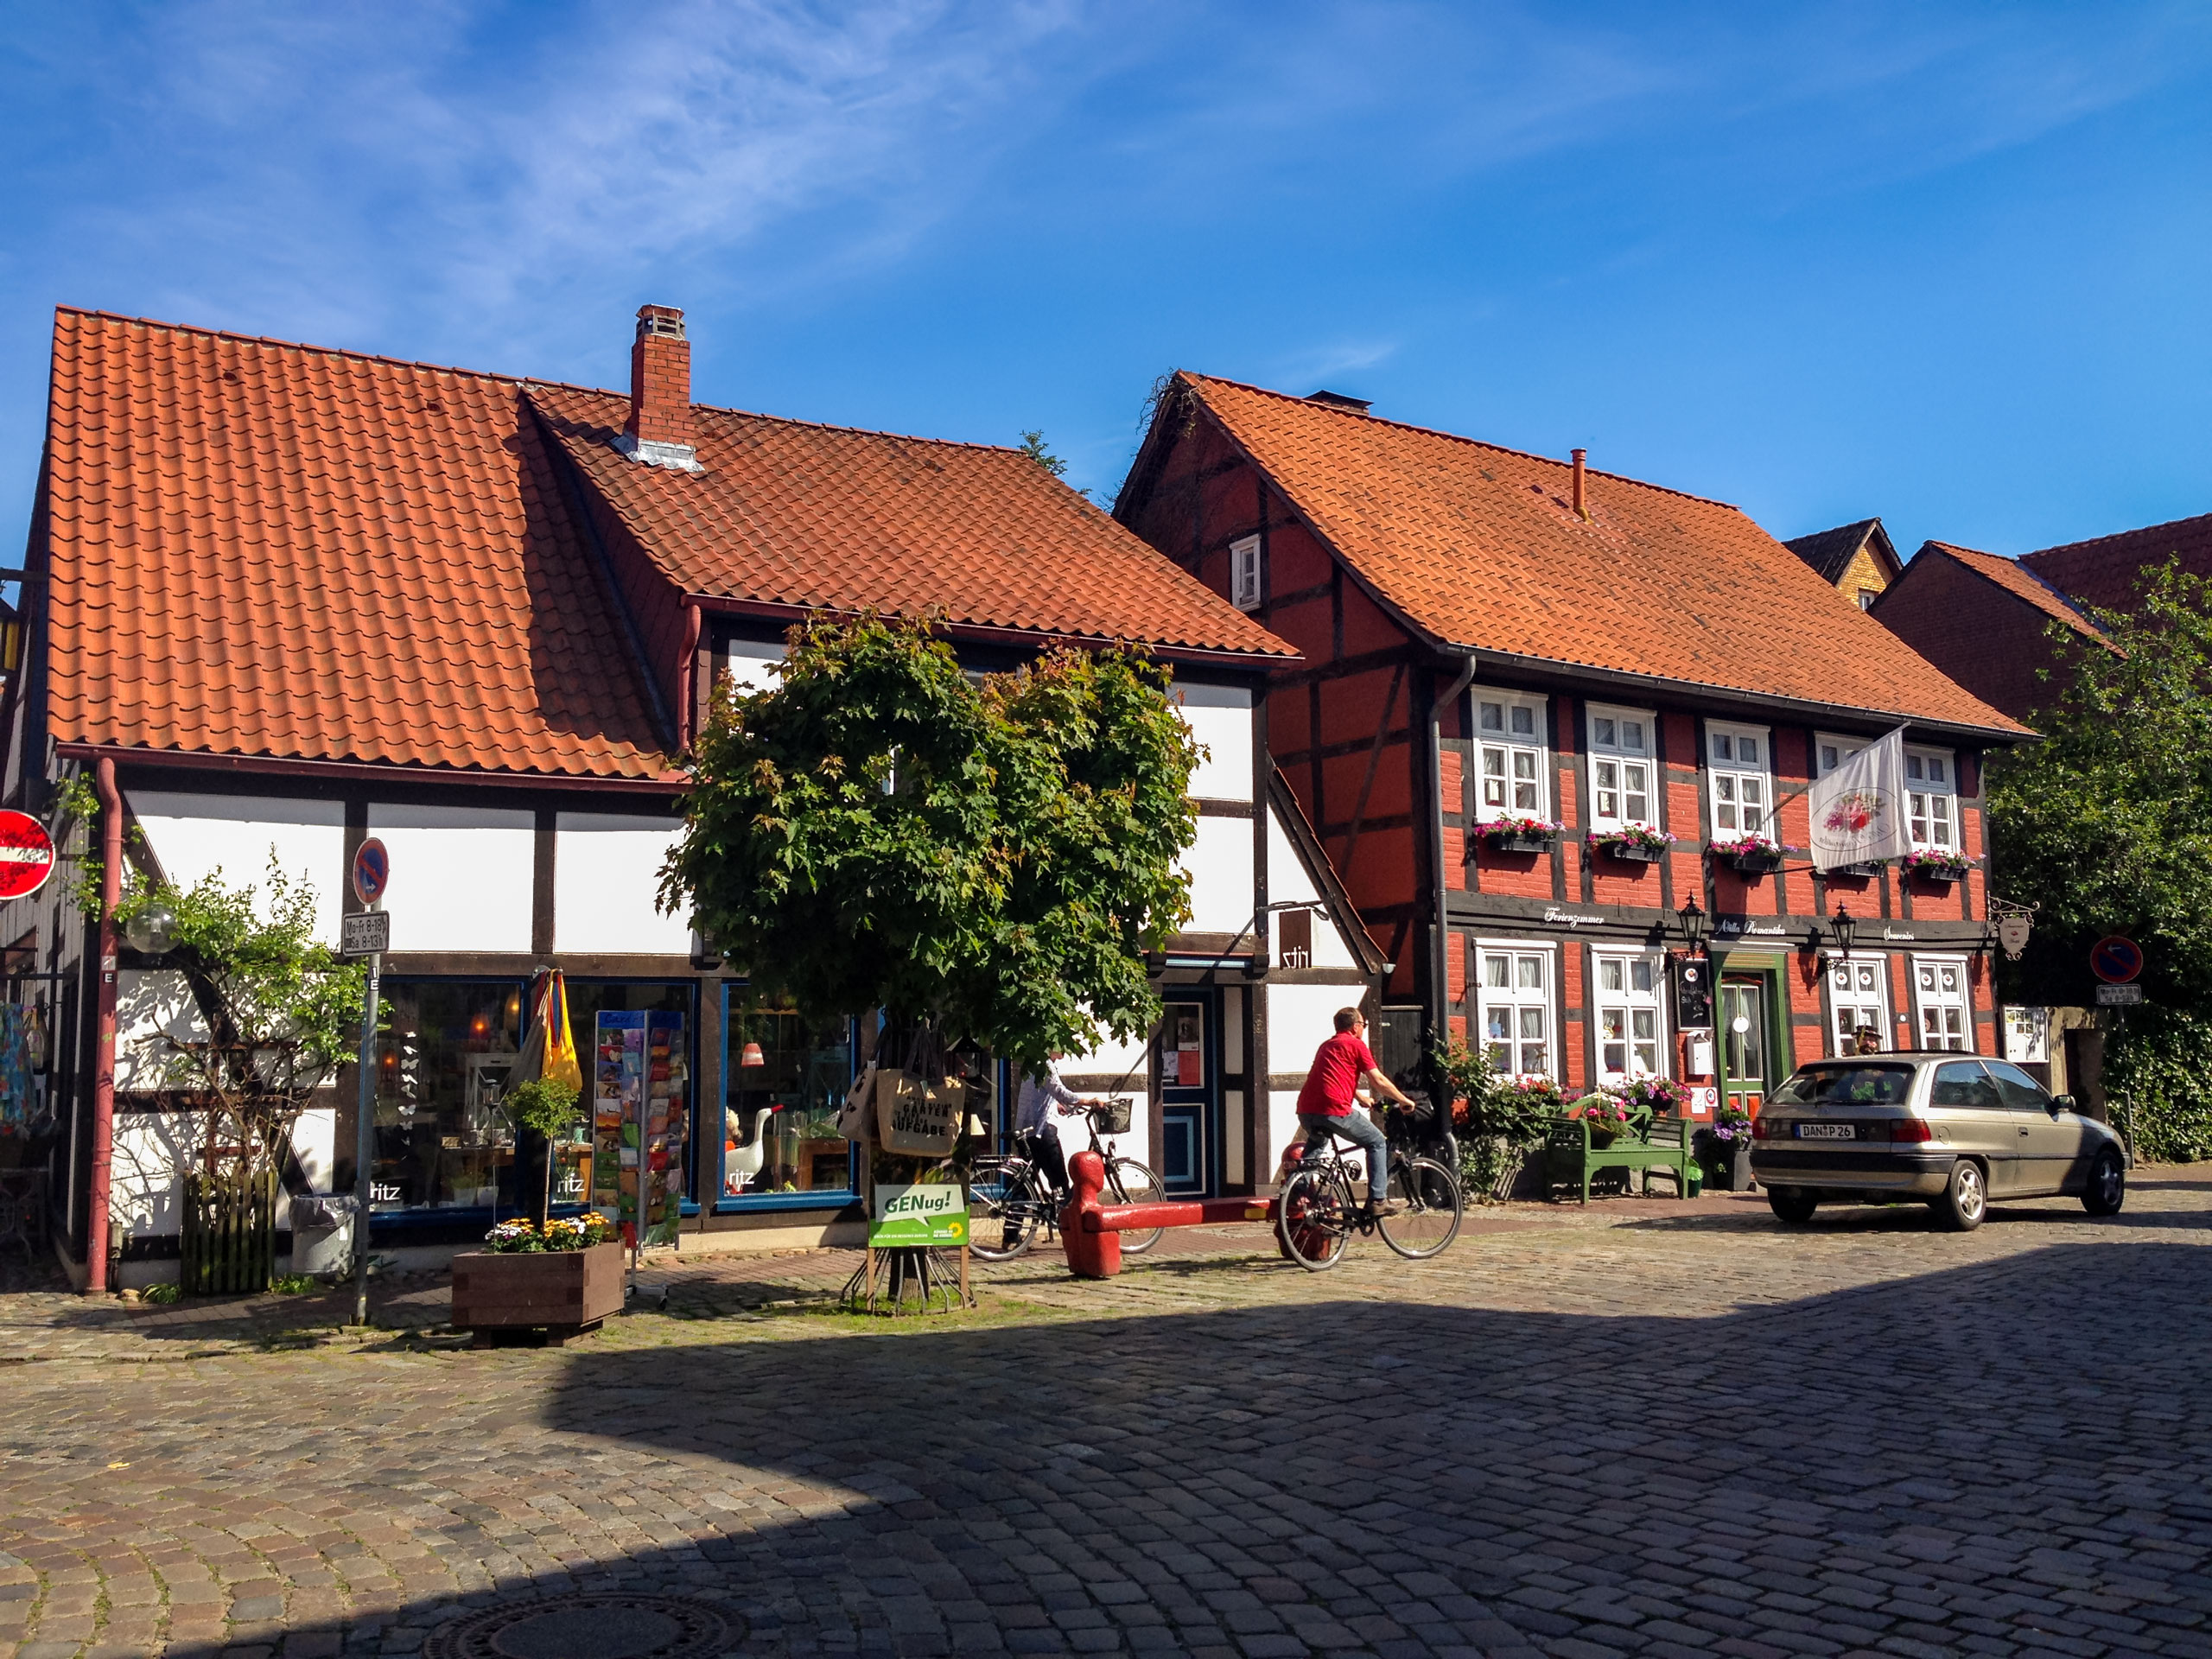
(104, 1063)
(1440, 935)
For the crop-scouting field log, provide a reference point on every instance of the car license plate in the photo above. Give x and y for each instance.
(1827, 1132)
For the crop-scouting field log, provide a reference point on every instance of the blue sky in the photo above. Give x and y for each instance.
(1943, 264)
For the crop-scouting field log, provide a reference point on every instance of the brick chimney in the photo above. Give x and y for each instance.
(659, 429)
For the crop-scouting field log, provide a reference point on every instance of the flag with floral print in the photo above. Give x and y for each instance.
(1858, 812)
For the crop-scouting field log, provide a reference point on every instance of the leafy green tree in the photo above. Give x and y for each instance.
(2106, 825)
(878, 829)
(1032, 445)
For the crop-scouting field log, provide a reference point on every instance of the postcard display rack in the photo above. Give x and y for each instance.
(641, 1092)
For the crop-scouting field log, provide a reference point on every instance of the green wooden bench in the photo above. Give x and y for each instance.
(1656, 1143)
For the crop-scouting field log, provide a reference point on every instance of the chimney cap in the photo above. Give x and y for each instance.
(665, 321)
(1337, 400)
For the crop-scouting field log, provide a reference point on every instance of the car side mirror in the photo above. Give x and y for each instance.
(2062, 1102)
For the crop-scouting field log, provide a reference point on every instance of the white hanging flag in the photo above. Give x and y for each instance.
(1858, 809)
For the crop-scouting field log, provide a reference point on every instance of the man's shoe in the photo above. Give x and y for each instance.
(1379, 1207)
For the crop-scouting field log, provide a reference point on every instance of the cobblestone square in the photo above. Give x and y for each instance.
(1653, 1428)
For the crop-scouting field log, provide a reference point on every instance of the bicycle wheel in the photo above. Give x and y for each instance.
(1007, 1202)
(1430, 1221)
(1129, 1182)
(1314, 1219)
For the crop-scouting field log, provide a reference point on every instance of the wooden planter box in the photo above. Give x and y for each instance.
(1938, 877)
(1519, 843)
(1756, 863)
(561, 1293)
(1629, 852)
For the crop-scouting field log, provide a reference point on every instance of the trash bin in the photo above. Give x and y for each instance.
(322, 1232)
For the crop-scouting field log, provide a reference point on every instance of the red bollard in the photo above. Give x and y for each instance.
(1090, 1255)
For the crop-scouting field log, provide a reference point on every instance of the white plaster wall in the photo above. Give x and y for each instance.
(605, 877)
(1286, 882)
(1110, 1060)
(1301, 1018)
(195, 835)
(461, 875)
(1220, 866)
(149, 1005)
(1220, 717)
(747, 664)
(1282, 1124)
(154, 1150)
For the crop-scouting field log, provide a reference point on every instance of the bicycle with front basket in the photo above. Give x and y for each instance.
(1011, 1203)
(1317, 1213)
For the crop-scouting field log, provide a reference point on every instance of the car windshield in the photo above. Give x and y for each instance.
(1825, 1086)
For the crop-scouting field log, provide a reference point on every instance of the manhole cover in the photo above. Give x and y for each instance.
(587, 1627)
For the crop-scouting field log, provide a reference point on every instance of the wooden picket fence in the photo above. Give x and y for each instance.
(230, 1233)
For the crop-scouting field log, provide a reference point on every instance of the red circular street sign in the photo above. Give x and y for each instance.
(372, 871)
(2115, 960)
(26, 855)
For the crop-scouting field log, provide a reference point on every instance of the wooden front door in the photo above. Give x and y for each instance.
(1745, 1059)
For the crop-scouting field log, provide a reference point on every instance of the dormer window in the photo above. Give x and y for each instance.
(1244, 574)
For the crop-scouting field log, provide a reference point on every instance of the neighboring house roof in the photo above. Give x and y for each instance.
(2106, 571)
(983, 534)
(1831, 552)
(276, 552)
(2014, 579)
(1478, 548)
(262, 549)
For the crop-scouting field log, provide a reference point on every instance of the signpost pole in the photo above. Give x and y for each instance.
(365, 1142)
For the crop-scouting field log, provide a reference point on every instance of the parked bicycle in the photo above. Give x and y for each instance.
(1012, 1203)
(1317, 1213)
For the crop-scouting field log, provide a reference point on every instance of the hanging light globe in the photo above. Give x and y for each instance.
(153, 930)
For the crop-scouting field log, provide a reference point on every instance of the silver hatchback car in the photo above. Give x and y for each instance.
(1946, 1129)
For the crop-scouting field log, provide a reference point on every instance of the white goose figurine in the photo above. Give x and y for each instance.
(743, 1164)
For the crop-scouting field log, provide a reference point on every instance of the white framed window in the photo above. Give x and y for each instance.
(1858, 998)
(1631, 1024)
(1939, 990)
(1513, 994)
(1510, 755)
(1830, 751)
(1739, 779)
(1623, 774)
(1244, 574)
(1931, 788)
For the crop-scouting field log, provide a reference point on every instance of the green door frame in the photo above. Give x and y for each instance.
(1747, 965)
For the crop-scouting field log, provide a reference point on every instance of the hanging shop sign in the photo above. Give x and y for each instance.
(922, 1215)
(25, 855)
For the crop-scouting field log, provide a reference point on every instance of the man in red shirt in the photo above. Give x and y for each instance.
(1328, 1105)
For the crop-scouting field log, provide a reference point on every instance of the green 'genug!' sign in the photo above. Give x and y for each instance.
(935, 1214)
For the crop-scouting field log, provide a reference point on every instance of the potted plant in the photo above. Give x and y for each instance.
(1498, 1119)
(563, 1278)
(1725, 1149)
(1938, 867)
(545, 1107)
(1652, 1096)
(1752, 855)
(1607, 1118)
(1520, 833)
(1636, 843)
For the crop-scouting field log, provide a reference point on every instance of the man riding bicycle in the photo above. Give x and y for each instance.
(1328, 1103)
(1043, 1102)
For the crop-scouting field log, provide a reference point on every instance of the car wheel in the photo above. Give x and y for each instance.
(1965, 1200)
(1794, 1205)
(2107, 1187)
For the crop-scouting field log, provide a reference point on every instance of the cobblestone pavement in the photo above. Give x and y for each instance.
(1653, 1427)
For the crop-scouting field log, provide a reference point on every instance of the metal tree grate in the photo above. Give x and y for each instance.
(605, 1626)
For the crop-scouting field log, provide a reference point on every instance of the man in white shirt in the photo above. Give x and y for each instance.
(1043, 1106)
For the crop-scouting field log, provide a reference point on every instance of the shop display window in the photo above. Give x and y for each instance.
(442, 1142)
(779, 1118)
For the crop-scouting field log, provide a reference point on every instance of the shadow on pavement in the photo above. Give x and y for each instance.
(2012, 1440)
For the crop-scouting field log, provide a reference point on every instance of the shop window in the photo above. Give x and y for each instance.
(1620, 769)
(1510, 749)
(442, 1142)
(1930, 784)
(780, 1118)
(1630, 1027)
(1739, 777)
(1858, 1000)
(1939, 989)
(635, 1153)
(1515, 1004)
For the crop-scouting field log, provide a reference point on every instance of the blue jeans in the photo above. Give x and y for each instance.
(1357, 1128)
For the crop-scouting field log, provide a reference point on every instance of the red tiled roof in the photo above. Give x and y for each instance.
(1479, 547)
(2009, 575)
(788, 513)
(264, 549)
(2106, 571)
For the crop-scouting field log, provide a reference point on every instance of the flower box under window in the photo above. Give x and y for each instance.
(1938, 869)
(1520, 835)
(1856, 872)
(1634, 844)
(1752, 855)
